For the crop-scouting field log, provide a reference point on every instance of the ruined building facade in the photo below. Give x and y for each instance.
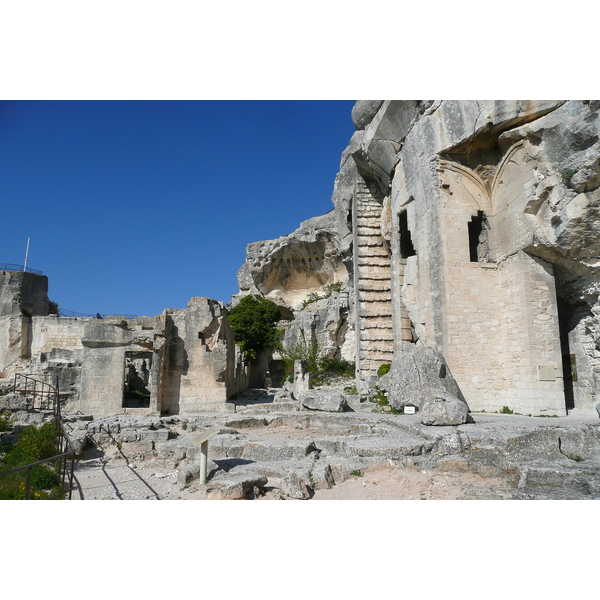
(468, 227)
(180, 362)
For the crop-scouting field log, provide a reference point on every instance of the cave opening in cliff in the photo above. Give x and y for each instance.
(406, 246)
(478, 240)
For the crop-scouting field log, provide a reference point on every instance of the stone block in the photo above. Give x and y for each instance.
(325, 400)
(235, 486)
(158, 435)
(294, 487)
(444, 409)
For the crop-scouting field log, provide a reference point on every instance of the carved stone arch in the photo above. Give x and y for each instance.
(475, 190)
(504, 164)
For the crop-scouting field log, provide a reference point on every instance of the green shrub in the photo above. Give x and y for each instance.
(44, 477)
(506, 411)
(302, 349)
(34, 444)
(5, 423)
(314, 297)
(383, 369)
(253, 322)
(336, 366)
(568, 175)
(380, 398)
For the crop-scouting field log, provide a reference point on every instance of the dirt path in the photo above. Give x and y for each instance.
(413, 484)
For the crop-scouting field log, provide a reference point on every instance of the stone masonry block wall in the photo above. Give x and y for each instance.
(57, 332)
(501, 328)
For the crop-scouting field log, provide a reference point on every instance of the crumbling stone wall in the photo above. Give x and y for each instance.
(204, 367)
(22, 296)
(179, 362)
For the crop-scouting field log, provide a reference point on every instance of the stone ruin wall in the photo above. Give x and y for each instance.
(187, 360)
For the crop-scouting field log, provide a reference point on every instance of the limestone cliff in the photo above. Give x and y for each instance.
(470, 227)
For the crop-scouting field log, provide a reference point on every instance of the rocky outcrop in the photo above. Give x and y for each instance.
(419, 376)
(288, 269)
(459, 224)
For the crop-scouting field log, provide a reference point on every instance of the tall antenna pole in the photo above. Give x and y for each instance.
(26, 255)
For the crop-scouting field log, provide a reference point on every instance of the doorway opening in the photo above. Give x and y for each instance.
(136, 391)
(569, 316)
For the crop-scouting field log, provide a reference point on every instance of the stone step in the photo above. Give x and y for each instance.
(366, 262)
(368, 220)
(376, 299)
(268, 407)
(370, 252)
(374, 273)
(369, 241)
(368, 228)
(376, 349)
(372, 312)
(374, 285)
(378, 323)
(379, 333)
(381, 353)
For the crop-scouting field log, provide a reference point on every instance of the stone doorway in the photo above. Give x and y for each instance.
(566, 316)
(136, 390)
(277, 372)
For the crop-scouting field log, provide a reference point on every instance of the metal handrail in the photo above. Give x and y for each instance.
(11, 267)
(71, 313)
(44, 392)
(64, 470)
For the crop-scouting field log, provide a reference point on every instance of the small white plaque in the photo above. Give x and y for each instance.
(547, 373)
(409, 410)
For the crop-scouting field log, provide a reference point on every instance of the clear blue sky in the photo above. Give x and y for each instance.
(136, 206)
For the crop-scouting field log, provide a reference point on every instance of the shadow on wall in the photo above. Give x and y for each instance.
(177, 366)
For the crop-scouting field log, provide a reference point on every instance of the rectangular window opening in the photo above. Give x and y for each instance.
(406, 246)
(478, 238)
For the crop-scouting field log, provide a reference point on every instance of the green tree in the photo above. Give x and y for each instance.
(253, 322)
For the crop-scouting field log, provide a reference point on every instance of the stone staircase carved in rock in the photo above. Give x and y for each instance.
(372, 280)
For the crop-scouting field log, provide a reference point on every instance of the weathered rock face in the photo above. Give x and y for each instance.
(469, 227)
(287, 269)
(364, 111)
(306, 274)
(418, 376)
(444, 409)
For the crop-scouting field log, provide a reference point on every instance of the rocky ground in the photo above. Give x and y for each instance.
(267, 449)
(150, 482)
